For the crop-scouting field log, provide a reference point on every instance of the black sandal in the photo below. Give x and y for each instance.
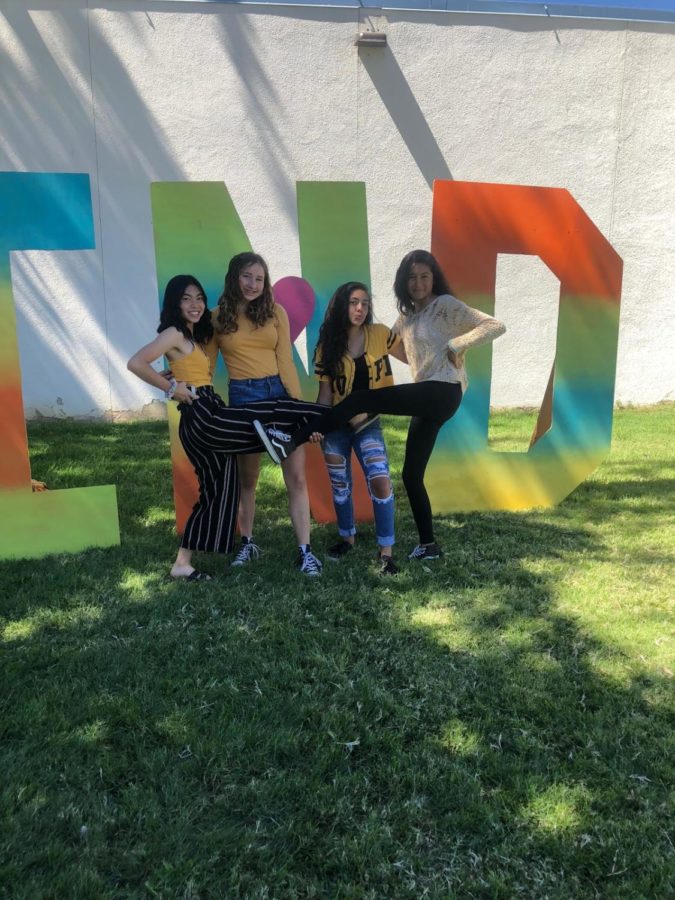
(195, 575)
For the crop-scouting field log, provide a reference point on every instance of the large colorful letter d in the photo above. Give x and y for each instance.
(472, 223)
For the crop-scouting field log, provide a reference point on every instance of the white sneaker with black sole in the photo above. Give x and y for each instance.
(279, 444)
(426, 551)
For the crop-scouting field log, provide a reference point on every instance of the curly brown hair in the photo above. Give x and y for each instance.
(258, 311)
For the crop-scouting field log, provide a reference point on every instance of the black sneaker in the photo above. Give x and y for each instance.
(369, 419)
(309, 564)
(337, 551)
(248, 552)
(426, 551)
(387, 565)
(279, 444)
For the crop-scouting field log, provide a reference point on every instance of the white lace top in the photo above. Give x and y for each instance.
(425, 337)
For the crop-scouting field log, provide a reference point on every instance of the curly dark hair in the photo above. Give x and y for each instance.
(334, 331)
(171, 314)
(422, 257)
(258, 311)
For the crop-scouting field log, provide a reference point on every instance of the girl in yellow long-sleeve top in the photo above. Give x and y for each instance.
(253, 336)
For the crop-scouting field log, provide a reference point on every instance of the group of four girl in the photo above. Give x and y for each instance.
(432, 334)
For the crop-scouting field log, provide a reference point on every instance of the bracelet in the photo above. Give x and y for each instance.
(173, 384)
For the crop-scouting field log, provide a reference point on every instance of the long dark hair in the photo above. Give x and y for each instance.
(258, 311)
(334, 331)
(171, 314)
(422, 257)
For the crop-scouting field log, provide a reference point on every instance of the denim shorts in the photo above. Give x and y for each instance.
(248, 390)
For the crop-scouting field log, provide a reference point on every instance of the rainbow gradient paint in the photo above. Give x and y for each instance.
(471, 224)
(197, 231)
(41, 211)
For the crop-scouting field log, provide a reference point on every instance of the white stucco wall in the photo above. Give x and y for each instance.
(261, 97)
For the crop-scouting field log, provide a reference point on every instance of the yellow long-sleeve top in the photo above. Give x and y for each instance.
(196, 367)
(259, 352)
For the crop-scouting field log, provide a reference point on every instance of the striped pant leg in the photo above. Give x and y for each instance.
(214, 426)
(212, 523)
(227, 429)
(285, 413)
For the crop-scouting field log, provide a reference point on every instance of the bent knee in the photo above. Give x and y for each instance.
(410, 476)
(380, 487)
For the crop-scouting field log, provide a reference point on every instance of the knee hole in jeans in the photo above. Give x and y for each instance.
(337, 472)
(380, 487)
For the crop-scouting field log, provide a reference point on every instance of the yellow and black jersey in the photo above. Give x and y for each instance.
(379, 340)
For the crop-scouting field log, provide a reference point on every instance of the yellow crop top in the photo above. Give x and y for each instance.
(195, 368)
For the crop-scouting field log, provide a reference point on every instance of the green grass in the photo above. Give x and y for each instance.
(495, 724)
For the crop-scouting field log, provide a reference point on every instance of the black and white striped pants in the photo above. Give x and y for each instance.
(212, 434)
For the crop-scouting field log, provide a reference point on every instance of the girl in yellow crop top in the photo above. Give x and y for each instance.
(253, 335)
(185, 331)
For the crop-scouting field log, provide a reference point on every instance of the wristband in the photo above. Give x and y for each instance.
(452, 347)
(173, 384)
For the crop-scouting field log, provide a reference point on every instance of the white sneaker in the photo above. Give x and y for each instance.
(309, 564)
(279, 444)
(248, 552)
(426, 551)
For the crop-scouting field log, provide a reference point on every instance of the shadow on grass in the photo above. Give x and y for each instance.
(660, 492)
(449, 732)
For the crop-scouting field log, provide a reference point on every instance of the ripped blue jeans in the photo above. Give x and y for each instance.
(371, 453)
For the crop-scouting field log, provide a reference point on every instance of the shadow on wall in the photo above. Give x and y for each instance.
(399, 100)
(259, 97)
(91, 119)
(95, 119)
(262, 96)
(98, 96)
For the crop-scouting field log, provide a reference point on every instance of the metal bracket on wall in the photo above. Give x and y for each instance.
(371, 39)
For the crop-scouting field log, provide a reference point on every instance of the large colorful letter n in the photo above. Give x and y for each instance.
(197, 230)
(41, 212)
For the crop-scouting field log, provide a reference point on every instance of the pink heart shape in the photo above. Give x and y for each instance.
(298, 299)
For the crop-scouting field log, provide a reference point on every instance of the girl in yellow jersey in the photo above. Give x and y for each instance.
(352, 354)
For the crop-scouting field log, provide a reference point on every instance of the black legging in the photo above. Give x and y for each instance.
(430, 403)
